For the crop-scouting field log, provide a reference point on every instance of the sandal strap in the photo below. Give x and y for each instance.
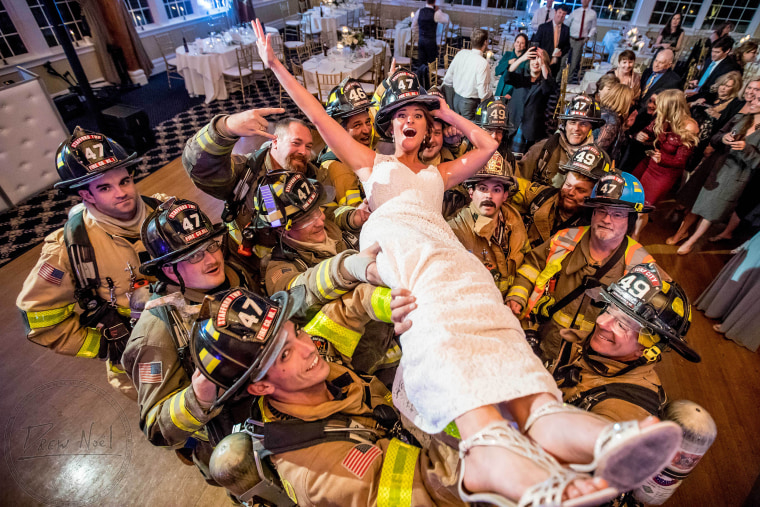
(502, 434)
(549, 492)
(554, 407)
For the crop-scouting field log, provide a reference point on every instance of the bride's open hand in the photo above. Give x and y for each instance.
(263, 42)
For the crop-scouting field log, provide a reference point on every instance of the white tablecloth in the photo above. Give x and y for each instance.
(332, 21)
(588, 84)
(403, 34)
(203, 72)
(335, 64)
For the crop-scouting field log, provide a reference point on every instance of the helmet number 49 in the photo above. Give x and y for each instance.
(635, 286)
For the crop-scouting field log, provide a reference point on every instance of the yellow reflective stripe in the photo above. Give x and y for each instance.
(564, 320)
(518, 291)
(294, 281)
(353, 198)
(234, 232)
(208, 145)
(392, 355)
(91, 344)
(381, 303)
(115, 368)
(528, 272)
(262, 411)
(126, 312)
(47, 318)
(397, 477)
(181, 417)
(324, 283)
(344, 339)
(153, 412)
(342, 209)
(452, 430)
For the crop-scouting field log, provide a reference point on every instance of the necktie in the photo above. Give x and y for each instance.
(556, 35)
(547, 15)
(706, 74)
(649, 83)
(583, 18)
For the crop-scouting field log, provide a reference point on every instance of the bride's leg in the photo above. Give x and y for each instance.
(498, 470)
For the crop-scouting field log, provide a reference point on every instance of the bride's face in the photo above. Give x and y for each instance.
(409, 127)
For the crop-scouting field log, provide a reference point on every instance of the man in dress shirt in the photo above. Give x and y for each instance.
(582, 23)
(426, 23)
(721, 64)
(544, 14)
(554, 38)
(469, 76)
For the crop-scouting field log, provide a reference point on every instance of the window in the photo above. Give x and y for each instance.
(518, 5)
(10, 40)
(140, 12)
(177, 8)
(72, 18)
(737, 12)
(616, 10)
(664, 10)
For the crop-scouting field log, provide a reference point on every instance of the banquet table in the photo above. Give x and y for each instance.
(591, 76)
(331, 19)
(337, 63)
(202, 69)
(403, 34)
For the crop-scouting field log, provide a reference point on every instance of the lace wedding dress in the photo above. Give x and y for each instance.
(465, 348)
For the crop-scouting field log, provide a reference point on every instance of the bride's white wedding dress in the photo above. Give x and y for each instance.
(465, 348)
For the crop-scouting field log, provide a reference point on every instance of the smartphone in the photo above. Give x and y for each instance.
(534, 44)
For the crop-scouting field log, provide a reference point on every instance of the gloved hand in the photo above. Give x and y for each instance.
(114, 336)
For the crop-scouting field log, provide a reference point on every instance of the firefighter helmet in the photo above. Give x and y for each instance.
(85, 155)
(175, 230)
(347, 99)
(584, 108)
(493, 114)
(589, 160)
(497, 168)
(660, 307)
(284, 197)
(236, 337)
(619, 190)
(403, 89)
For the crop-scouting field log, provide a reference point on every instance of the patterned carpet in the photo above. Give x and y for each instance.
(27, 224)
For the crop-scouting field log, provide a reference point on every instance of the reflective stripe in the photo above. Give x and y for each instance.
(295, 281)
(125, 312)
(324, 283)
(353, 198)
(264, 417)
(452, 430)
(181, 417)
(47, 318)
(518, 291)
(208, 145)
(344, 339)
(392, 355)
(381, 304)
(115, 369)
(341, 210)
(565, 319)
(528, 272)
(234, 232)
(397, 477)
(150, 419)
(91, 344)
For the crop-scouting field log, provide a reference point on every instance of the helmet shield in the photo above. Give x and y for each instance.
(85, 155)
(497, 168)
(175, 229)
(589, 160)
(403, 89)
(493, 114)
(620, 190)
(283, 197)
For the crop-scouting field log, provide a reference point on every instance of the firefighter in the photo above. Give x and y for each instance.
(75, 300)
(550, 284)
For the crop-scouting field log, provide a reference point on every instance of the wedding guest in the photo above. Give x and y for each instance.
(712, 115)
(625, 73)
(721, 64)
(527, 108)
(671, 36)
(615, 101)
(543, 14)
(582, 23)
(507, 59)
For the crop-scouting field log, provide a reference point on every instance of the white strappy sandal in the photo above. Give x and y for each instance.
(625, 455)
(547, 493)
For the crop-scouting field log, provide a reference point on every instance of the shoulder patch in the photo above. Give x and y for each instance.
(51, 274)
(150, 373)
(358, 460)
(276, 276)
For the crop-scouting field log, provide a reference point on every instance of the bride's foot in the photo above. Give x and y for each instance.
(497, 470)
(676, 238)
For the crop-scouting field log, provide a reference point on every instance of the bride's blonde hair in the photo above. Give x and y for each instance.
(673, 113)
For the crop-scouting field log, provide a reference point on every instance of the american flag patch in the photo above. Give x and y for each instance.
(48, 273)
(276, 277)
(360, 458)
(150, 373)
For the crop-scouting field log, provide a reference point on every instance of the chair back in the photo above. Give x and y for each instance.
(451, 52)
(325, 83)
(284, 9)
(165, 45)
(433, 73)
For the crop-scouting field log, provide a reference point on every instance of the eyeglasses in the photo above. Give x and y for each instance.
(198, 255)
(308, 220)
(623, 323)
(611, 212)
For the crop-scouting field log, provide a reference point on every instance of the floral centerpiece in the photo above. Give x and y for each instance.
(353, 39)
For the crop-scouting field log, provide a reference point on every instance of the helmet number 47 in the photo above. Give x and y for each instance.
(89, 153)
(188, 225)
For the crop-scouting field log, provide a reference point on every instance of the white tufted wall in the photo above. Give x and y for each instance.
(30, 131)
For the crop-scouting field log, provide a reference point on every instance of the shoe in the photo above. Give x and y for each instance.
(674, 240)
(547, 493)
(625, 455)
(684, 250)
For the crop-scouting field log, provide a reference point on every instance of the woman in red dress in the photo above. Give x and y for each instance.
(673, 136)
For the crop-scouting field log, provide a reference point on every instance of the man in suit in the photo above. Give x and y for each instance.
(658, 78)
(721, 64)
(554, 38)
(542, 15)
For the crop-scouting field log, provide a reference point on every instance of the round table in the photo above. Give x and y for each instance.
(331, 20)
(202, 71)
(336, 63)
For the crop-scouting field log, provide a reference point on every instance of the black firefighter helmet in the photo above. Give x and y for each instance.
(584, 108)
(591, 161)
(85, 155)
(347, 99)
(284, 197)
(236, 337)
(493, 114)
(403, 89)
(176, 229)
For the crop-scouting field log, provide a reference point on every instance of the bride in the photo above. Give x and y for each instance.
(465, 358)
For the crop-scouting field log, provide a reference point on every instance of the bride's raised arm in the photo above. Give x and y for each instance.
(456, 171)
(346, 148)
